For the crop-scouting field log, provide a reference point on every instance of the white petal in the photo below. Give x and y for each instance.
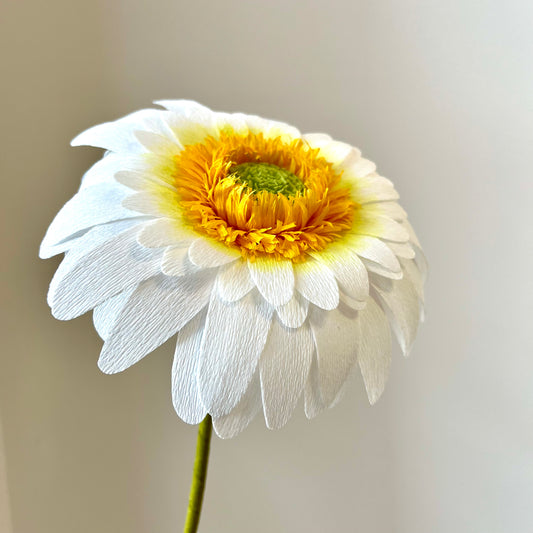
(234, 121)
(118, 135)
(89, 207)
(400, 302)
(420, 258)
(104, 170)
(193, 127)
(185, 394)
(315, 140)
(362, 167)
(234, 281)
(77, 247)
(105, 315)
(234, 338)
(155, 204)
(422, 264)
(158, 144)
(389, 209)
(411, 271)
(373, 189)
(402, 250)
(163, 232)
(143, 180)
(176, 262)
(378, 269)
(208, 253)
(313, 404)
(412, 235)
(336, 152)
(158, 308)
(182, 107)
(294, 312)
(111, 136)
(336, 335)
(230, 425)
(316, 283)
(348, 269)
(379, 226)
(284, 367)
(273, 278)
(350, 302)
(374, 349)
(376, 251)
(83, 283)
(271, 128)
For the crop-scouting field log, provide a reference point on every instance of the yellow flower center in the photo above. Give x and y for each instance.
(262, 195)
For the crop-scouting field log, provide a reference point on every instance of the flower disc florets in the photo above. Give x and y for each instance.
(267, 177)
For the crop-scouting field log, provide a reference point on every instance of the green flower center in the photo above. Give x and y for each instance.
(267, 177)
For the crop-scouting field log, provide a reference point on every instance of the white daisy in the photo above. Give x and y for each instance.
(279, 260)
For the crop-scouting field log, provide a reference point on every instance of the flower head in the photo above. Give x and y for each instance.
(280, 261)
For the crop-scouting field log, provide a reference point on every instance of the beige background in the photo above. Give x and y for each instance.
(440, 94)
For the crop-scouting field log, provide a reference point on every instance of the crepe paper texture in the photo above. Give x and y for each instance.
(280, 261)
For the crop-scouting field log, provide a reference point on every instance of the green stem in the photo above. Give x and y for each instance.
(199, 474)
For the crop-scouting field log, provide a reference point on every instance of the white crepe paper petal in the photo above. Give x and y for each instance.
(336, 336)
(389, 209)
(163, 232)
(362, 167)
(375, 191)
(158, 144)
(415, 277)
(185, 393)
(337, 152)
(374, 354)
(402, 250)
(141, 180)
(313, 403)
(105, 315)
(381, 270)
(234, 338)
(400, 302)
(89, 207)
(106, 270)
(284, 367)
(182, 106)
(118, 136)
(209, 253)
(147, 203)
(158, 308)
(351, 302)
(234, 281)
(77, 247)
(317, 284)
(229, 426)
(274, 279)
(381, 226)
(104, 170)
(376, 251)
(176, 262)
(294, 312)
(193, 127)
(348, 269)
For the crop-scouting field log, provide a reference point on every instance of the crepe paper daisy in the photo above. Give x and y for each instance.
(280, 261)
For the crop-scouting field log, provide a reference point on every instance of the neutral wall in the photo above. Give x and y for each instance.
(440, 94)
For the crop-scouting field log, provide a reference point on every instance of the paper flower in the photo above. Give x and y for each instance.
(281, 261)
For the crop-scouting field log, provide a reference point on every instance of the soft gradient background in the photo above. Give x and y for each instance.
(440, 94)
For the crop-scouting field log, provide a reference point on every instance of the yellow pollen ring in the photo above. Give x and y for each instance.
(260, 222)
